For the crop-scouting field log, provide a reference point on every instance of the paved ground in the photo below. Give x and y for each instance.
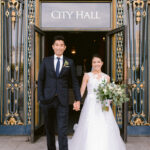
(21, 143)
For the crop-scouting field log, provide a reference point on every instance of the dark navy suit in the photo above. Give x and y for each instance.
(53, 98)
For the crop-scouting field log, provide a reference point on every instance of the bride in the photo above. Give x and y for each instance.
(96, 129)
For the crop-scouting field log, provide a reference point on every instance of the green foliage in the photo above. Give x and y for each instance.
(117, 93)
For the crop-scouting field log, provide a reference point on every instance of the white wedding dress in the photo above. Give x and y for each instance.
(96, 130)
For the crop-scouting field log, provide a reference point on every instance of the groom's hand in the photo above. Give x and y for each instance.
(76, 105)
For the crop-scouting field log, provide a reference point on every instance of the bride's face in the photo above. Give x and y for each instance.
(97, 64)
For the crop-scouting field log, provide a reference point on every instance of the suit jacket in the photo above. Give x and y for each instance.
(49, 84)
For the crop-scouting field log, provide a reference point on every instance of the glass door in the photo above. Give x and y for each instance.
(38, 49)
(117, 69)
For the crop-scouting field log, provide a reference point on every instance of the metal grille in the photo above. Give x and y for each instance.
(138, 61)
(13, 62)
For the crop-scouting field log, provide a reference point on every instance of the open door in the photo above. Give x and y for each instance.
(38, 49)
(117, 69)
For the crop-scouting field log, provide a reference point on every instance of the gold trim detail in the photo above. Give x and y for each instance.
(133, 68)
(144, 13)
(138, 6)
(134, 101)
(141, 101)
(7, 13)
(138, 3)
(128, 2)
(138, 121)
(138, 81)
(142, 68)
(8, 101)
(141, 85)
(12, 119)
(134, 85)
(8, 68)
(13, 4)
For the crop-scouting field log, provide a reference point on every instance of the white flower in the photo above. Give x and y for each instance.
(66, 63)
(110, 87)
(105, 90)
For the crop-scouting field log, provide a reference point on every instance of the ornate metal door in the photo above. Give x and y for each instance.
(37, 45)
(117, 69)
(13, 118)
(138, 67)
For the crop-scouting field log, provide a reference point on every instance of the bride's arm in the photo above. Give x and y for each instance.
(108, 78)
(84, 84)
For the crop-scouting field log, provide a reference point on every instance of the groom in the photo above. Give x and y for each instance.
(54, 76)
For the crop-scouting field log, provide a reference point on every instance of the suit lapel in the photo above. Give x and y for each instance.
(52, 65)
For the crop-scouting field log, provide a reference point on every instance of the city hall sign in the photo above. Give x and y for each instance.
(76, 16)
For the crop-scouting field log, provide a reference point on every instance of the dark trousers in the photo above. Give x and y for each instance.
(56, 114)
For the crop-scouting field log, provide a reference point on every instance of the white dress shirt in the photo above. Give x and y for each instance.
(55, 62)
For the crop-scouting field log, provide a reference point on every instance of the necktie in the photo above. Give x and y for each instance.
(57, 66)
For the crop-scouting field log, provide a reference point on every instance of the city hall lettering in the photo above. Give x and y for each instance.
(74, 15)
(56, 16)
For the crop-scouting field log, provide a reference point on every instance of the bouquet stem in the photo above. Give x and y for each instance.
(105, 108)
(105, 105)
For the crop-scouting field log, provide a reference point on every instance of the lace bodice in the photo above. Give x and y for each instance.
(94, 81)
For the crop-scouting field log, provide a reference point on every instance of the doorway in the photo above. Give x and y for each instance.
(80, 47)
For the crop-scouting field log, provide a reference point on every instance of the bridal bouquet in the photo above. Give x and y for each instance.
(111, 91)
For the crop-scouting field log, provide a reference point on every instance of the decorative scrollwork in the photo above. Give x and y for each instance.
(13, 10)
(13, 45)
(14, 85)
(31, 20)
(138, 6)
(139, 120)
(119, 52)
(13, 4)
(137, 11)
(12, 120)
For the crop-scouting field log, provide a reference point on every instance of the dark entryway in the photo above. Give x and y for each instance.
(80, 47)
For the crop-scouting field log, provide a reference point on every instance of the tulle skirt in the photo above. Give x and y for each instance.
(96, 130)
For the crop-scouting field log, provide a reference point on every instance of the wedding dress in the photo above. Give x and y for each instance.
(96, 129)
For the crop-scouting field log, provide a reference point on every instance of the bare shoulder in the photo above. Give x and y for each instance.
(86, 75)
(107, 77)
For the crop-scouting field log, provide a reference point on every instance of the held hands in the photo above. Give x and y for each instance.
(76, 105)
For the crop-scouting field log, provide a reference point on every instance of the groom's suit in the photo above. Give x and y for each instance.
(53, 98)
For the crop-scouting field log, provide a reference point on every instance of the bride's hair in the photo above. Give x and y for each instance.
(98, 56)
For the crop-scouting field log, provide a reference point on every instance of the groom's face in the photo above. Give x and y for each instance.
(59, 47)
